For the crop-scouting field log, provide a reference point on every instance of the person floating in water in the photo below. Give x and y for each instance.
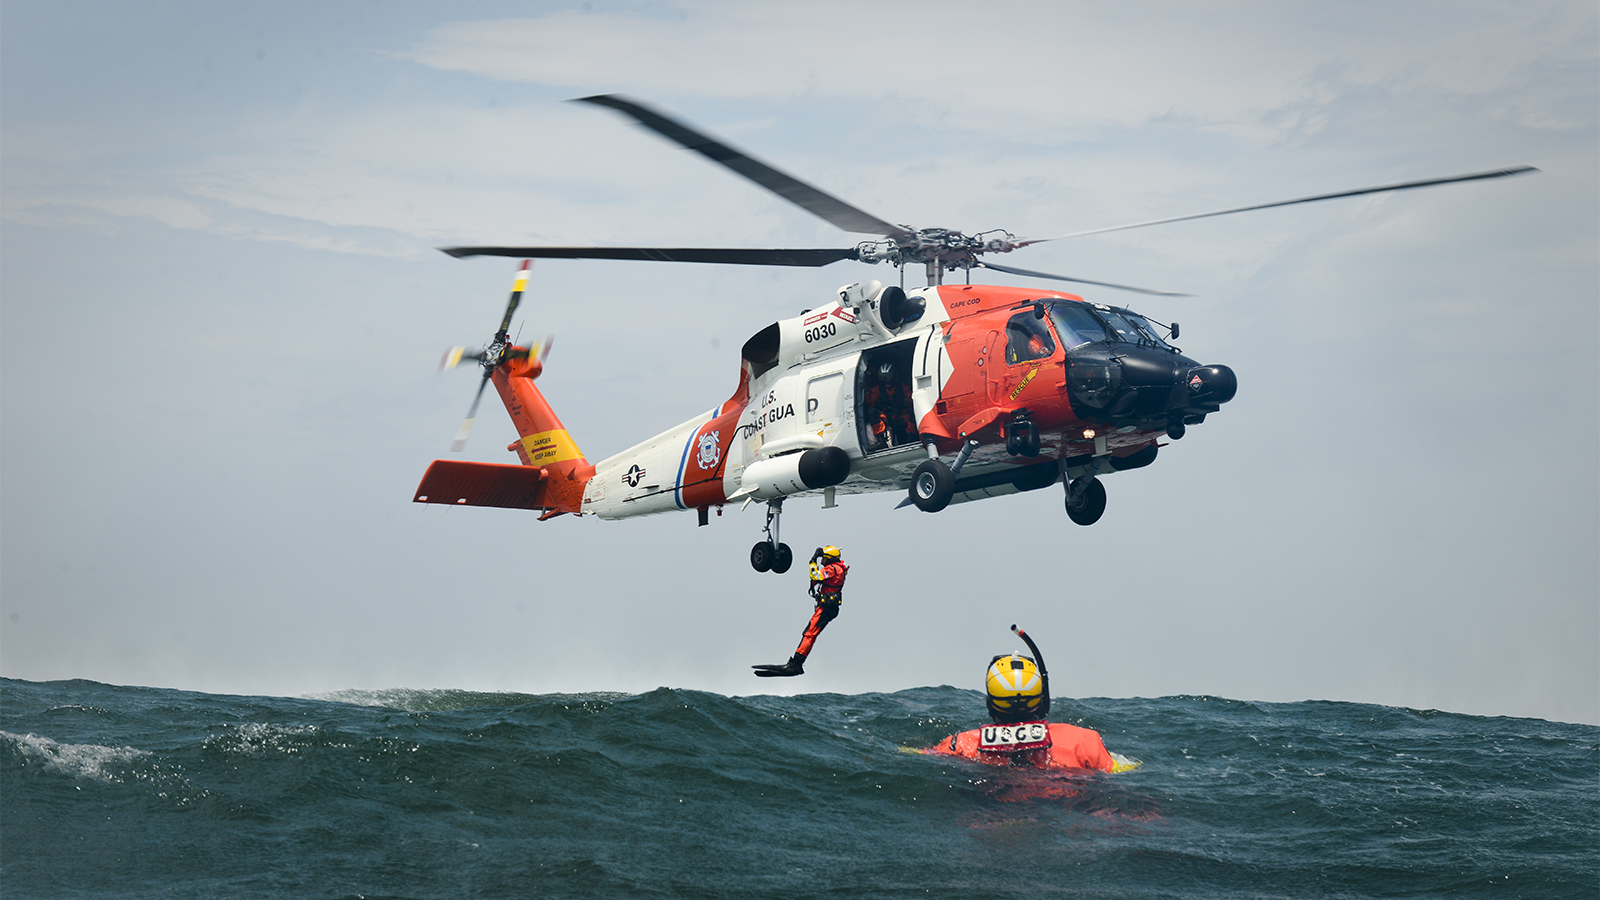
(827, 589)
(1017, 693)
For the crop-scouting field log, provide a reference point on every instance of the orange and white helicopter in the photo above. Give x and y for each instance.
(948, 392)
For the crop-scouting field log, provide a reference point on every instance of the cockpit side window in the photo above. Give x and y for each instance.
(1077, 325)
(1028, 337)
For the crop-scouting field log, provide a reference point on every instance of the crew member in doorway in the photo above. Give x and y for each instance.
(888, 409)
(828, 571)
(1017, 693)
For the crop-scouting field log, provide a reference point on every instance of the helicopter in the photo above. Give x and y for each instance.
(950, 393)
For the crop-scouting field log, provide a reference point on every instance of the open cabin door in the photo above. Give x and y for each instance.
(885, 419)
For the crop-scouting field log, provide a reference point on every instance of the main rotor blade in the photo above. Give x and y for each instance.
(813, 200)
(734, 256)
(1032, 274)
(1380, 189)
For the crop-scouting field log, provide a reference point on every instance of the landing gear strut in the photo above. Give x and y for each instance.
(770, 555)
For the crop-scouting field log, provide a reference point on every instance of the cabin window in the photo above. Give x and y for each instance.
(1028, 338)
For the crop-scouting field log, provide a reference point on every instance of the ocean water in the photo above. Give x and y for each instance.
(135, 792)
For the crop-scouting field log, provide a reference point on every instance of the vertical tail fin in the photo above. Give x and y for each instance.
(545, 442)
(553, 473)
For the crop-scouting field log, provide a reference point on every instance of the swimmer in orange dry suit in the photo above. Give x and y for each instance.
(1017, 693)
(827, 589)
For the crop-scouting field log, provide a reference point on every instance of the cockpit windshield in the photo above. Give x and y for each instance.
(1079, 324)
(1131, 327)
(1076, 324)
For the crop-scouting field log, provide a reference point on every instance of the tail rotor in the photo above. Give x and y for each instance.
(498, 350)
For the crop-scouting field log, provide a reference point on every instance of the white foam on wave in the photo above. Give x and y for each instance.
(79, 760)
(442, 699)
(261, 737)
(392, 698)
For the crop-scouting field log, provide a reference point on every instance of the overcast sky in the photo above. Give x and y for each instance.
(222, 313)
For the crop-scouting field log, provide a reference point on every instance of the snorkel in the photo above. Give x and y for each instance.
(1044, 674)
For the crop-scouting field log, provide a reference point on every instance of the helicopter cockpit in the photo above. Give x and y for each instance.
(1121, 372)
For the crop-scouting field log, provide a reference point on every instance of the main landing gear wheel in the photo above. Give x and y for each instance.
(932, 486)
(772, 555)
(1091, 503)
(763, 558)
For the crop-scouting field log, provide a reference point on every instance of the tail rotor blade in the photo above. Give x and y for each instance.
(454, 356)
(517, 287)
(460, 443)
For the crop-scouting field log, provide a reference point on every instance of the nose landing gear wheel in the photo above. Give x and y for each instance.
(1091, 504)
(783, 559)
(932, 486)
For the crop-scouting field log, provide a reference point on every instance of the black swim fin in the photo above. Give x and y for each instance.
(795, 666)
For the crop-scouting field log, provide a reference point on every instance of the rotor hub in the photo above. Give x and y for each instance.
(946, 248)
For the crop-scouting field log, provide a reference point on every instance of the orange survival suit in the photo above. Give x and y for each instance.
(827, 589)
(1017, 695)
(1070, 747)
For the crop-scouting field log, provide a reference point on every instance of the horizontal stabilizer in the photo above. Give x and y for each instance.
(482, 484)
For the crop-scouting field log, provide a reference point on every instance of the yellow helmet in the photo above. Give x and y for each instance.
(1015, 689)
(830, 552)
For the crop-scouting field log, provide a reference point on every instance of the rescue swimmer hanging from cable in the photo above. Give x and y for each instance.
(951, 393)
(828, 572)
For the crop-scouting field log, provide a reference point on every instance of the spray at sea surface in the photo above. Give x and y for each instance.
(137, 792)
